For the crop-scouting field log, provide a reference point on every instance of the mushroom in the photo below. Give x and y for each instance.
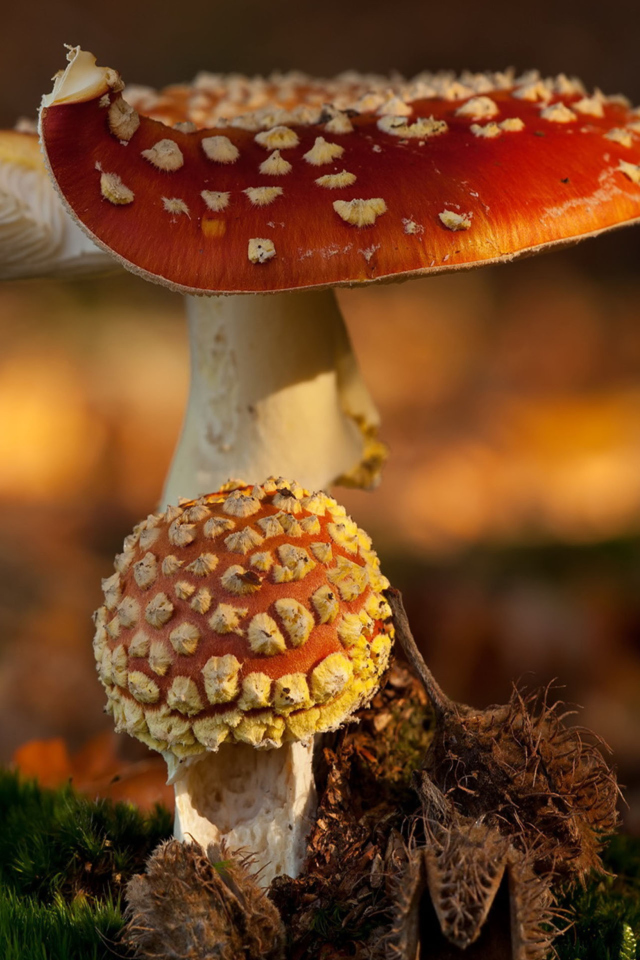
(37, 236)
(275, 382)
(265, 187)
(236, 629)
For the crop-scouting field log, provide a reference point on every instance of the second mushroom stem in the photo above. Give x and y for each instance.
(260, 802)
(275, 390)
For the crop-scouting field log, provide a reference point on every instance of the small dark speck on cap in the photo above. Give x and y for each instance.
(564, 180)
(539, 133)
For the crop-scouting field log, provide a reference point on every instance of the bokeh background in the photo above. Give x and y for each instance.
(509, 512)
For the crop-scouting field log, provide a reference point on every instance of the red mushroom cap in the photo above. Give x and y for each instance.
(432, 175)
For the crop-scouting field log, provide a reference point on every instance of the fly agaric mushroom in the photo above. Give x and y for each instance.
(275, 383)
(37, 236)
(235, 629)
(265, 187)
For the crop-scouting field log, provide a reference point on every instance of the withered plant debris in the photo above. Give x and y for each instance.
(466, 861)
(356, 896)
(192, 905)
(439, 826)
(507, 790)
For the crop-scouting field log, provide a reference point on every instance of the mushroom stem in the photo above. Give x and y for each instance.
(275, 390)
(260, 800)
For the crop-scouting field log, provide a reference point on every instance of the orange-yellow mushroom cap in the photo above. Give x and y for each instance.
(252, 614)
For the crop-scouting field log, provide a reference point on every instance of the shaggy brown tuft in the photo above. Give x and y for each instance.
(507, 791)
(192, 905)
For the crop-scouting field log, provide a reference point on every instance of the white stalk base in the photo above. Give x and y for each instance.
(275, 391)
(259, 801)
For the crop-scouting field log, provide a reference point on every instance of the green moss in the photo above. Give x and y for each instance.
(607, 910)
(30, 930)
(64, 862)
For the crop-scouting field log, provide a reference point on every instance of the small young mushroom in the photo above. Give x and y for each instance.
(235, 629)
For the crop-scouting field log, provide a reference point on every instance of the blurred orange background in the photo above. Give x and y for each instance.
(509, 511)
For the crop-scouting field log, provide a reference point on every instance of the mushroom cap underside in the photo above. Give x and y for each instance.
(252, 614)
(37, 238)
(408, 181)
